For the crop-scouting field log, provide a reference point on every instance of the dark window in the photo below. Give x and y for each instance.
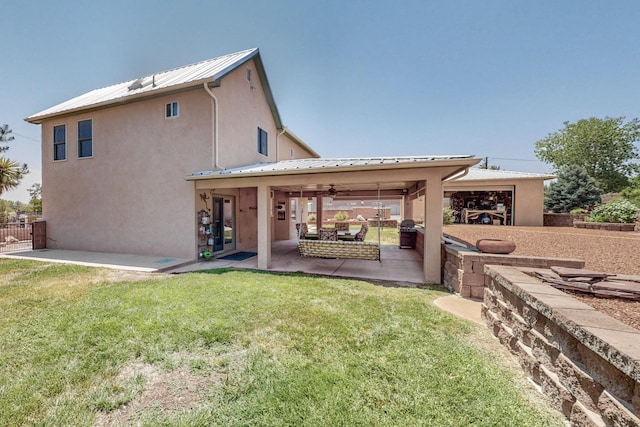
(263, 144)
(85, 138)
(60, 142)
(171, 110)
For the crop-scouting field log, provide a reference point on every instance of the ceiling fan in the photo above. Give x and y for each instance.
(332, 191)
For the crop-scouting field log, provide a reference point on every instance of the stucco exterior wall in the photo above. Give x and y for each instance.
(288, 149)
(528, 203)
(243, 108)
(131, 196)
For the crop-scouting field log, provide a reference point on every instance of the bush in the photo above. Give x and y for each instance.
(447, 215)
(312, 218)
(573, 189)
(577, 211)
(632, 192)
(619, 211)
(341, 216)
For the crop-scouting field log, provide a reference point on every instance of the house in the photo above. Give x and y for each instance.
(196, 160)
(114, 159)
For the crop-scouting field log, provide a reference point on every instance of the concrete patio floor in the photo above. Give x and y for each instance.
(149, 264)
(397, 265)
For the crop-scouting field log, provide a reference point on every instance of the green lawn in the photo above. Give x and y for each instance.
(82, 346)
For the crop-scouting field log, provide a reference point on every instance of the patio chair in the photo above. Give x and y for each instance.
(362, 233)
(329, 234)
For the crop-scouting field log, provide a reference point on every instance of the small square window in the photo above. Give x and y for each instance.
(60, 142)
(85, 138)
(263, 143)
(171, 110)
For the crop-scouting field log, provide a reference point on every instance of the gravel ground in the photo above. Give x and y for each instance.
(613, 252)
(607, 251)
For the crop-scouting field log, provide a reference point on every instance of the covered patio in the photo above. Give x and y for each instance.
(264, 185)
(401, 266)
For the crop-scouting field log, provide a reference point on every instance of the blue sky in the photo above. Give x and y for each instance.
(351, 78)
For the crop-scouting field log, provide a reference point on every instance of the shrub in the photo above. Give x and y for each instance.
(447, 215)
(341, 216)
(619, 211)
(573, 189)
(577, 211)
(632, 192)
(312, 218)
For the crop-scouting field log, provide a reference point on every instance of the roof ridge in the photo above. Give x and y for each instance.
(182, 67)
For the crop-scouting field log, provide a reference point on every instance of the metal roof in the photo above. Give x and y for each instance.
(476, 174)
(189, 75)
(319, 165)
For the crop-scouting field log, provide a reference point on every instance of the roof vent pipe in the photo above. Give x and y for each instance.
(214, 124)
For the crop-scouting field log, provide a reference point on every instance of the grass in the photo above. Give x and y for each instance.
(388, 235)
(82, 346)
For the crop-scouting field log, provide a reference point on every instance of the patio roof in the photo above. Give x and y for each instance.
(347, 164)
(476, 174)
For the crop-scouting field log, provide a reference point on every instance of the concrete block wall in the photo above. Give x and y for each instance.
(610, 226)
(463, 269)
(561, 219)
(586, 362)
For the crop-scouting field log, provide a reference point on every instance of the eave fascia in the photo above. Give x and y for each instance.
(123, 100)
(460, 163)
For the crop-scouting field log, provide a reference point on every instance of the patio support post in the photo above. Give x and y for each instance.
(264, 226)
(407, 207)
(319, 212)
(432, 230)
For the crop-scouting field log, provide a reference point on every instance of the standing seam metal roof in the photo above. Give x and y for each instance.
(476, 174)
(210, 69)
(309, 165)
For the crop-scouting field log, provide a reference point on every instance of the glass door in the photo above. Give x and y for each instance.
(223, 223)
(217, 223)
(229, 223)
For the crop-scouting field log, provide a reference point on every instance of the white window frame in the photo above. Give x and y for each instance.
(79, 140)
(266, 142)
(171, 110)
(66, 146)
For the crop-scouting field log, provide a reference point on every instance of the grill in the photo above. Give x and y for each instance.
(407, 231)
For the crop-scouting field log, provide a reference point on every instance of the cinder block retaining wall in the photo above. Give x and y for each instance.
(587, 362)
(561, 219)
(463, 269)
(611, 226)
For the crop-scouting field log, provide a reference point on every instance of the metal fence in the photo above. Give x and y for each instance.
(15, 237)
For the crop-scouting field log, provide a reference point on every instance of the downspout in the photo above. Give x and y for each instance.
(456, 175)
(284, 129)
(214, 123)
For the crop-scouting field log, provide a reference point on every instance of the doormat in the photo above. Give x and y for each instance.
(239, 256)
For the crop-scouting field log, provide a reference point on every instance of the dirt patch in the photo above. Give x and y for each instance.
(113, 276)
(183, 381)
(614, 252)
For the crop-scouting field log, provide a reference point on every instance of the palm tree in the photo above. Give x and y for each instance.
(11, 173)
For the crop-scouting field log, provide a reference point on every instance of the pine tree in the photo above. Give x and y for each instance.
(575, 188)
